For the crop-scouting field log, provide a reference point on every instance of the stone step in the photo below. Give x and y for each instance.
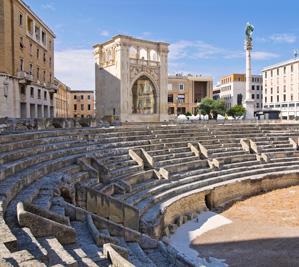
(170, 155)
(152, 209)
(166, 151)
(28, 152)
(56, 252)
(158, 258)
(12, 168)
(174, 161)
(140, 255)
(43, 199)
(161, 190)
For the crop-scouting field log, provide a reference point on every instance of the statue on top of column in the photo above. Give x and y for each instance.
(249, 30)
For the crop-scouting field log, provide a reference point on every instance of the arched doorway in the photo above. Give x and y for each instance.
(144, 96)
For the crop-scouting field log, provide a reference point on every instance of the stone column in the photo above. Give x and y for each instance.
(249, 103)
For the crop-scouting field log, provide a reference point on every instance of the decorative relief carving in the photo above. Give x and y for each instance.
(153, 72)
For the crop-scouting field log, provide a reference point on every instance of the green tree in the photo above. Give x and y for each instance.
(237, 111)
(211, 107)
(205, 106)
(218, 108)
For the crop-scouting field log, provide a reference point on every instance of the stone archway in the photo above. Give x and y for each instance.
(144, 96)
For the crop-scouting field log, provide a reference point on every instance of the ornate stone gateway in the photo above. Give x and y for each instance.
(131, 80)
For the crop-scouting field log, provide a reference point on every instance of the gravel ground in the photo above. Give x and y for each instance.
(264, 232)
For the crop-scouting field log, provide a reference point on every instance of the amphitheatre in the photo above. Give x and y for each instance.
(111, 196)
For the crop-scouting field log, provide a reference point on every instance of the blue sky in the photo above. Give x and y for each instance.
(206, 36)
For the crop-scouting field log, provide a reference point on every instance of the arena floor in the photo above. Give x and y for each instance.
(264, 232)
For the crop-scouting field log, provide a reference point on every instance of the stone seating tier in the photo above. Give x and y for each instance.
(43, 168)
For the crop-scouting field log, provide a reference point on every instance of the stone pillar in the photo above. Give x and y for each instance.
(249, 103)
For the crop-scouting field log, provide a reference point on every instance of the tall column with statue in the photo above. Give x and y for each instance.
(249, 102)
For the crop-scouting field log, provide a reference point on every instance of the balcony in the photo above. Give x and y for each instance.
(24, 77)
(144, 62)
(51, 87)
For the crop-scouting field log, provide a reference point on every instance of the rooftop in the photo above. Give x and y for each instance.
(284, 63)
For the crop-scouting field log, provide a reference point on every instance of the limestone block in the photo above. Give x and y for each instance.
(41, 226)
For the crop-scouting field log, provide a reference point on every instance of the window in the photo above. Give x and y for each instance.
(257, 96)
(170, 98)
(75, 107)
(271, 90)
(82, 97)
(257, 105)
(265, 99)
(271, 73)
(88, 97)
(292, 68)
(21, 43)
(271, 99)
(252, 96)
(277, 72)
(277, 89)
(44, 75)
(45, 57)
(284, 98)
(284, 70)
(39, 94)
(82, 107)
(37, 53)
(252, 87)
(32, 92)
(37, 33)
(30, 26)
(45, 95)
(292, 97)
(265, 74)
(50, 62)
(257, 87)
(30, 49)
(239, 99)
(30, 69)
(50, 44)
(88, 107)
(284, 88)
(181, 86)
(75, 96)
(181, 98)
(21, 19)
(277, 98)
(37, 73)
(43, 38)
(171, 110)
(21, 64)
(50, 77)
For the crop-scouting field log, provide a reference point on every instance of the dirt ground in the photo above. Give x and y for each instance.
(264, 232)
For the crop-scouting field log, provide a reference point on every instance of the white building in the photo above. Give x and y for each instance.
(131, 80)
(233, 90)
(281, 84)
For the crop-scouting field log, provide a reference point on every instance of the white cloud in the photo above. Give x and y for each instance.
(104, 33)
(261, 55)
(75, 67)
(283, 38)
(48, 7)
(185, 49)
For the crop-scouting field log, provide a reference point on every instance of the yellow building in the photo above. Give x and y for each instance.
(61, 100)
(184, 92)
(26, 63)
(81, 104)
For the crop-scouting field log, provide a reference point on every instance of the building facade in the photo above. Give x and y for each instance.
(61, 100)
(184, 92)
(81, 104)
(281, 88)
(233, 90)
(131, 80)
(26, 63)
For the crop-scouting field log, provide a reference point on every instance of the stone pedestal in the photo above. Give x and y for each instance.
(249, 105)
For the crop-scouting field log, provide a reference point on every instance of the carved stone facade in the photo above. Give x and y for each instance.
(131, 80)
